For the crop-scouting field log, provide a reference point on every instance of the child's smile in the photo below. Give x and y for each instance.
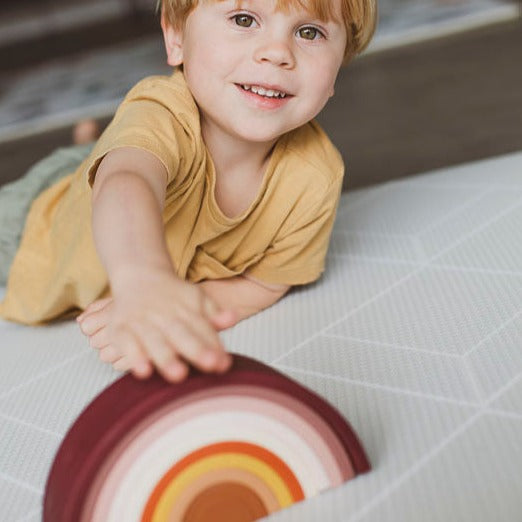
(267, 97)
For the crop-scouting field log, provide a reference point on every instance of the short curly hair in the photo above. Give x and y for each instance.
(359, 17)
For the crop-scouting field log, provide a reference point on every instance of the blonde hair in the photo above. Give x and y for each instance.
(359, 17)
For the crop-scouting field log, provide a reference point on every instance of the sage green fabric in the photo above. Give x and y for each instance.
(16, 197)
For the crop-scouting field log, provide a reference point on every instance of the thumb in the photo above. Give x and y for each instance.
(224, 319)
(220, 319)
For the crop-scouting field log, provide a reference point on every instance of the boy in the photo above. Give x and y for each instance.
(209, 195)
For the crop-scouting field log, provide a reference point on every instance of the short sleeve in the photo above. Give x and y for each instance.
(147, 119)
(297, 255)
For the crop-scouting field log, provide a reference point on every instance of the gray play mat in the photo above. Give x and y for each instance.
(413, 333)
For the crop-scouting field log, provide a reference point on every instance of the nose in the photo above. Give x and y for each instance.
(276, 52)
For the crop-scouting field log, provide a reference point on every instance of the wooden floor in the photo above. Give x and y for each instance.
(429, 105)
(398, 112)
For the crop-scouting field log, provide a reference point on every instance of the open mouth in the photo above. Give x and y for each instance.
(265, 92)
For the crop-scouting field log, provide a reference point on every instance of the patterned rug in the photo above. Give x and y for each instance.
(413, 334)
(61, 92)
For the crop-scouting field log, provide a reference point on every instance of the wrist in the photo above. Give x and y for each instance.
(132, 276)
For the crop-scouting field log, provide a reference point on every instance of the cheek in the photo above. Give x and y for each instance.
(208, 67)
(210, 49)
(330, 76)
(323, 85)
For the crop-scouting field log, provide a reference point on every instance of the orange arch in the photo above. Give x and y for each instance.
(253, 450)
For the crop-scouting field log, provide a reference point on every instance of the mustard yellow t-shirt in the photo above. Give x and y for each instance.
(281, 238)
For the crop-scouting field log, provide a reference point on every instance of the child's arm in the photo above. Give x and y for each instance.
(243, 294)
(156, 316)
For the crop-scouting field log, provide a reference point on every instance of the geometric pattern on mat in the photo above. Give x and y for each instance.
(413, 334)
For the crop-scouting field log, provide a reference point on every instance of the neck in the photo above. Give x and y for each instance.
(231, 154)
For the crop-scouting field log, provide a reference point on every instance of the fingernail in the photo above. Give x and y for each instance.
(175, 370)
(209, 359)
(224, 363)
(142, 368)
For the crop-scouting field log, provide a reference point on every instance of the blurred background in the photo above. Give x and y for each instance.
(440, 85)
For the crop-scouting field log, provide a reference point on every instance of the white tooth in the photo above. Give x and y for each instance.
(264, 92)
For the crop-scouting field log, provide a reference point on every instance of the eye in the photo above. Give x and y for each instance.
(310, 33)
(243, 20)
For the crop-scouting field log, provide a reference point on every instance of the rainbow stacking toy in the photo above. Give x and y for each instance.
(214, 448)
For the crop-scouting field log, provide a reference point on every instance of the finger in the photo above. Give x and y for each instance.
(123, 364)
(224, 319)
(100, 339)
(175, 371)
(109, 354)
(210, 307)
(199, 344)
(99, 304)
(95, 306)
(95, 321)
(162, 354)
(220, 319)
(129, 345)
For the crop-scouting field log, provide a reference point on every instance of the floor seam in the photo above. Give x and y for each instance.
(380, 387)
(20, 483)
(390, 345)
(415, 467)
(42, 375)
(35, 427)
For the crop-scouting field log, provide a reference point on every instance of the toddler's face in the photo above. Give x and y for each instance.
(227, 53)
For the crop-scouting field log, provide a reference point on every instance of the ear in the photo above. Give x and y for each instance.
(173, 42)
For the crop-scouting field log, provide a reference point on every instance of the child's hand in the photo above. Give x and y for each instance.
(159, 319)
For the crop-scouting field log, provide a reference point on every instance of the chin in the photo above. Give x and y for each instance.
(258, 135)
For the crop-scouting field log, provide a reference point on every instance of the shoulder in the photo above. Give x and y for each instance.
(162, 87)
(310, 167)
(310, 149)
(311, 145)
(167, 93)
(160, 116)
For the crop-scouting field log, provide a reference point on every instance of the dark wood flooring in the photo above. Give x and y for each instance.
(430, 105)
(401, 111)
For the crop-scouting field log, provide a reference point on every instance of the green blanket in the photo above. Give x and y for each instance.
(16, 197)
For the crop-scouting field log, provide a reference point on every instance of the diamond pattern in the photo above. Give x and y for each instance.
(413, 333)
